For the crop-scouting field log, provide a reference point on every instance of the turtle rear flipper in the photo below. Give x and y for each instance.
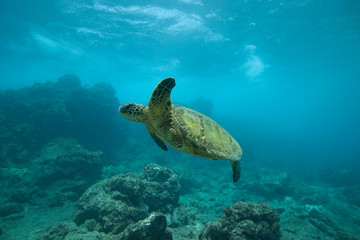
(235, 165)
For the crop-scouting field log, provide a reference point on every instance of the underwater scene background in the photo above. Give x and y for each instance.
(282, 77)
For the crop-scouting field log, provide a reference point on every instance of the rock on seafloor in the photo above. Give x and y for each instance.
(162, 190)
(115, 203)
(244, 221)
(68, 231)
(151, 228)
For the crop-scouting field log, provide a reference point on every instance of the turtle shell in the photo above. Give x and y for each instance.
(203, 136)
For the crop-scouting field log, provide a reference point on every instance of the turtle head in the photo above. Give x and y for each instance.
(134, 112)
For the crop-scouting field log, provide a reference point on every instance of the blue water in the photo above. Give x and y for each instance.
(283, 77)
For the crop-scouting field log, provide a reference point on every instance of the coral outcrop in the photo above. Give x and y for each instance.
(162, 190)
(31, 117)
(151, 228)
(65, 159)
(62, 171)
(244, 221)
(68, 231)
(115, 203)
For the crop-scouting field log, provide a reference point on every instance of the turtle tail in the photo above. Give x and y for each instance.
(235, 165)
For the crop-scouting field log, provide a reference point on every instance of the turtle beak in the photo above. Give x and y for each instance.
(123, 108)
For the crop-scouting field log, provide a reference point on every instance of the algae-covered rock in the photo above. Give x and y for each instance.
(68, 231)
(151, 228)
(162, 188)
(65, 158)
(124, 199)
(244, 221)
(113, 203)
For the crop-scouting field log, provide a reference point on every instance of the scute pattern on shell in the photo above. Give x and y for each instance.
(206, 135)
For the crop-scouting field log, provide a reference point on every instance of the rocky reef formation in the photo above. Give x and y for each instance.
(244, 221)
(113, 204)
(68, 231)
(151, 228)
(65, 159)
(61, 172)
(31, 117)
(162, 190)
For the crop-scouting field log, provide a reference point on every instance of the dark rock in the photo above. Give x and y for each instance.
(67, 231)
(9, 209)
(345, 236)
(244, 221)
(151, 228)
(58, 232)
(113, 203)
(125, 199)
(162, 188)
(323, 222)
(90, 224)
(65, 158)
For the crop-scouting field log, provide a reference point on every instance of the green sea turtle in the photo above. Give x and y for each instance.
(182, 128)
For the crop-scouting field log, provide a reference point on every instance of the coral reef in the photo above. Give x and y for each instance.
(162, 188)
(124, 199)
(151, 228)
(65, 159)
(31, 117)
(68, 231)
(62, 171)
(244, 221)
(113, 203)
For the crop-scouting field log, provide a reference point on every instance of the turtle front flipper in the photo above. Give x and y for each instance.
(160, 105)
(160, 112)
(152, 133)
(235, 165)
